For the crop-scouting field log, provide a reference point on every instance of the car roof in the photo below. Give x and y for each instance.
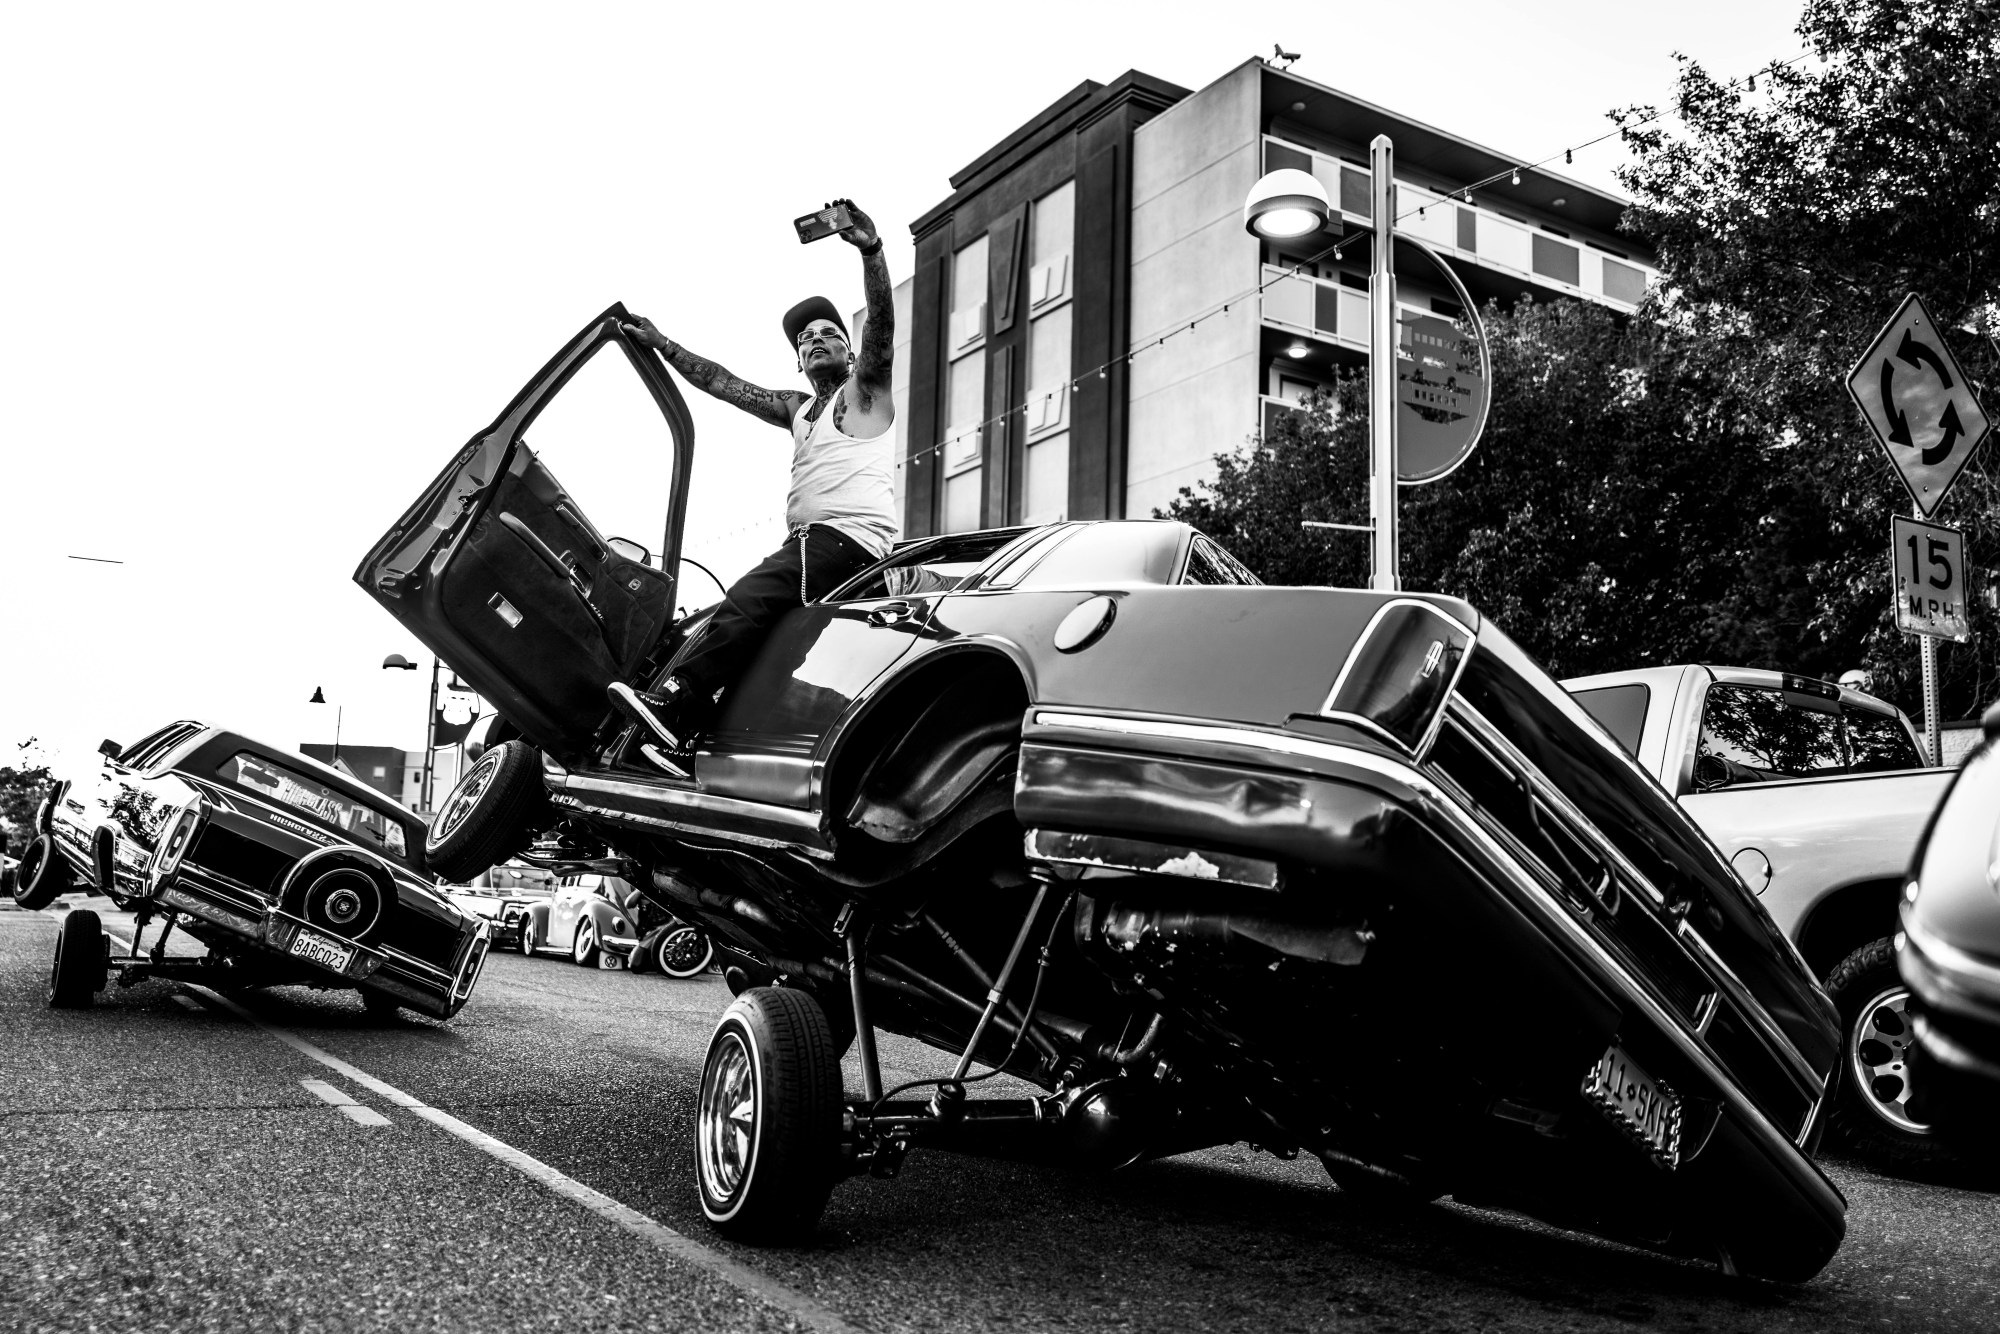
(222, 742)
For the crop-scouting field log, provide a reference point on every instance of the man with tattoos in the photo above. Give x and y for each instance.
(841, 510)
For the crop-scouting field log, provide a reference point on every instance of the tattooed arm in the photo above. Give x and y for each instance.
(775, 406)
(874, 359)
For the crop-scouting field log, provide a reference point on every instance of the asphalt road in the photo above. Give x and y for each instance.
(164, 1165)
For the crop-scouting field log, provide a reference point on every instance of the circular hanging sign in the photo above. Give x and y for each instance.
(1444, 384)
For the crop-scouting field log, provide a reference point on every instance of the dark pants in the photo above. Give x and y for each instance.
(719, 651)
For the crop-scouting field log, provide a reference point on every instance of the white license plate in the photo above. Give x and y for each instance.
(1645, 1109)
(318, 949)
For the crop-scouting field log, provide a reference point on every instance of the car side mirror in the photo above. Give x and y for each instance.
(110, 749)
(1710, 773)
(630, 550)
(1989, 721)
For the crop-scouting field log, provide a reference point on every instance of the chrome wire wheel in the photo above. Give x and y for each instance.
(685, 951)
(726, 1124)
(1878, 1056)
(466, 796)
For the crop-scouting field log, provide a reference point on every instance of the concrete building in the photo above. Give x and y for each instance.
(1052, 370)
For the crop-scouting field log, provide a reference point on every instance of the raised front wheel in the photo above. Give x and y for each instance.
(767, 1122)
(42, 876)
(490, 815)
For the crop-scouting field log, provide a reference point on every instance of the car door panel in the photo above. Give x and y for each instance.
(498, 570)
(815, 664)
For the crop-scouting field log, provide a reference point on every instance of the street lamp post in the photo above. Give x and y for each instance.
(319, 697)
(1289, 203)
(401, 663)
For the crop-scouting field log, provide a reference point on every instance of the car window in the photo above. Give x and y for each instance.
(302, 792)
(147, 750)
(1753, 734)
(1210, 564)
(1107, 553)
(1620, 710)
(930, 567)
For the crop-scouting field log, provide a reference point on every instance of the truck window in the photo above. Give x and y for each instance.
(1619, 710)
(1752, 734)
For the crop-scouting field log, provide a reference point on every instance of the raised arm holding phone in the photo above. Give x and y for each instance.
(840, 512)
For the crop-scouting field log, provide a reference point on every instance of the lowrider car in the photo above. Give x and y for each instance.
(290, 872)
(1204, 861)
(1948, 953)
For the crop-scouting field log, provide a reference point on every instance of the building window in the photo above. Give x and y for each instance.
(1277, 157)
(1356, 195)
(1556, 259)
(1052, 237)
(1468, 230)
(1622, 282)
(1049, 371)
(965, 407)
(1047, 480)
(967, 328)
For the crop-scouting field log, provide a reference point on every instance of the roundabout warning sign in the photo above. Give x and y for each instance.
(1909, 387)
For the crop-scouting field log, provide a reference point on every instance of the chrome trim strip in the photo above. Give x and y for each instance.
(1554, 912)
(786, 817)
(1581, 825)
(655, 822)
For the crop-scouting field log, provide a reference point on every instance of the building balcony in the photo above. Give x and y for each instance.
(1480, 237)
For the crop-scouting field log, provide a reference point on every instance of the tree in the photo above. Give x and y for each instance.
(1600, 521)
(1791, 219)
(1694, 483)
(21, 791)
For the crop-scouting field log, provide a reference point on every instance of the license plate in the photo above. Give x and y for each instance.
(318, 949)
(1646, 1110)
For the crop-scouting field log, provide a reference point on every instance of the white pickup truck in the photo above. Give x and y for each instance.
(1817, 795)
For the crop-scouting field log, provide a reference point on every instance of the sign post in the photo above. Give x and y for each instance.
(1914, 396)
(1384, 562)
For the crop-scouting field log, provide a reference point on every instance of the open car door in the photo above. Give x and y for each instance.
(498, 571)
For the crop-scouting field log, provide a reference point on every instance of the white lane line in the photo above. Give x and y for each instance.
(355, 1111)
(682, 1247)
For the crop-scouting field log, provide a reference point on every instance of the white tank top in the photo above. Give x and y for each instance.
(841, 481)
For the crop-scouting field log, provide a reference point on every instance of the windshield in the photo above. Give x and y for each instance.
(276, 782)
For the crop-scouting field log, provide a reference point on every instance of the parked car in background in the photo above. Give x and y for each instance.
(502, 897)
(591, 917)
(1949, 955)
(1817, 794)
(291, 872)
(1203, 861)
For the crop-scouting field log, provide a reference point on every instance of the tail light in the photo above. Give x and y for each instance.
(167, 859)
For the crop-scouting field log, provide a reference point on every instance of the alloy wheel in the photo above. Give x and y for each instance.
(1878, 1056)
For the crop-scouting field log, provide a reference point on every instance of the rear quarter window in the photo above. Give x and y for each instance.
(1619, 710)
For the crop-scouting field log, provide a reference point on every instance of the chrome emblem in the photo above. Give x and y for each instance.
(1432, 659)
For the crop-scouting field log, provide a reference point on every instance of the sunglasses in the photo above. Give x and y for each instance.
(822, 335)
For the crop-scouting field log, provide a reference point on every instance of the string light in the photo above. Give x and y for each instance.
(1335, 252)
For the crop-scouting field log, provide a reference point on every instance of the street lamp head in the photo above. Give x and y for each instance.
(1285, 203)
(398, 660)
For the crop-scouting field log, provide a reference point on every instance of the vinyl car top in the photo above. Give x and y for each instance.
(210, 755)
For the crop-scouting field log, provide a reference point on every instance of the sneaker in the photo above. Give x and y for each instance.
(658, 714)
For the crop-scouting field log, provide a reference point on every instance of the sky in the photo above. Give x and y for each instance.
(267, 266)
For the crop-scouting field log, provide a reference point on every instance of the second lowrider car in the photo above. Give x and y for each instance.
(1324, 870)
(290, 872)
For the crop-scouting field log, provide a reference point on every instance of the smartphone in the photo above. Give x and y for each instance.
(818, 226)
